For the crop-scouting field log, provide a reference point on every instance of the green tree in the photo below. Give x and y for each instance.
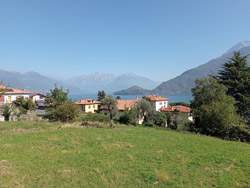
(179, 103)
(118, 98)
(55, 98)
(110, 104)
(213, 110)
(24, 104)
(101, 95)
(145, 110)
(235, 75)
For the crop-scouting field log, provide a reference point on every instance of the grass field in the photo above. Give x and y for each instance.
(40, 154)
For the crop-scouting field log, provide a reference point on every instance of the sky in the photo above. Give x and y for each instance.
(159, 39)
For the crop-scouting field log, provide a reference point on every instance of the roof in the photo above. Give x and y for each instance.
(123, 104)
(178, 107)
(34, 94)
(155, 98)
(88, 101)
(9, 90)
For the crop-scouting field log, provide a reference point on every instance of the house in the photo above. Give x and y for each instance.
(185, 112)
(37, 97)
(11, 94)
(159, 102)
(88, 105)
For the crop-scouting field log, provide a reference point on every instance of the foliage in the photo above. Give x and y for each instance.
(110, 104)
(118, 98)
(236, 77)
(144, 109)
(6, 112)
(128, 116)
(159, 119)
(101, 95)
(55, 98)
(24, 104)
(94, 117)
(67, 112)
(179, 103)
(213, 110)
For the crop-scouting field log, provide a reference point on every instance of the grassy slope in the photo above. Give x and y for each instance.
(40, 155)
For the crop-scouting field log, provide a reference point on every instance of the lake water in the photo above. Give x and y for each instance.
(172, 98)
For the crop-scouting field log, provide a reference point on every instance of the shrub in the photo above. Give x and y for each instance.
(128, 117)
(94, 124)
(159, 119)
(66, 112)
(94, 117)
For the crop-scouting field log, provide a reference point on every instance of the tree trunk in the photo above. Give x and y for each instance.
(111, 120)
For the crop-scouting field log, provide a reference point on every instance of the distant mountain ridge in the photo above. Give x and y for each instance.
(183, 83)
(84, 84)
(110, 82)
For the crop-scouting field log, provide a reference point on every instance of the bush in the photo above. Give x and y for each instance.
(159, 119)
(94, 117)
(94, 124)
(149, 123)
(66, 112)
(128, 117)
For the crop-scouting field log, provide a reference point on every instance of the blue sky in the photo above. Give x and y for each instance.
(158, 39)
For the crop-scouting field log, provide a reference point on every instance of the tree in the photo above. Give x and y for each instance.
(55, 98)
(101, 95)
(235, 75)
(213, 110)
(176, 118)
(145, 110)
(24, 104)
(110, 104)
(118, 98)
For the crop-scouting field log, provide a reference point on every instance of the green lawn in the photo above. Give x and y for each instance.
(40, 154)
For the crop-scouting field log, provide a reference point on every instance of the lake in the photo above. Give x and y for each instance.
(172, 98)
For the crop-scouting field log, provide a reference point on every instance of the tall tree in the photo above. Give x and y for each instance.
(110, 104)
(145, 110)
(213, 110)
(101, 95)
(55, 98)
(235, 75)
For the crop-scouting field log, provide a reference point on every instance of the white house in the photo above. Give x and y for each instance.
(10, 94)
(159, 102)
(38, 97)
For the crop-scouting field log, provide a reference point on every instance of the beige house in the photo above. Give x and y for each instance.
(88, 105)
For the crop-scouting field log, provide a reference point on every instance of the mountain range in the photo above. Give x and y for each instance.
(84, 84)
(183, 83)
(91, 83)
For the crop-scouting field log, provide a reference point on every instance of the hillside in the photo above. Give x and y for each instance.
(134, 90)
(42, 154)
(183, 83)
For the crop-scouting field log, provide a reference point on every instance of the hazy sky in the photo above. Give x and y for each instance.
(159, 39)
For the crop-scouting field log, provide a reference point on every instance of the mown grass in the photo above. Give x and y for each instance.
(41, 154)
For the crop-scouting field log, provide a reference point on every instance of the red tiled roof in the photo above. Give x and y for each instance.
(178, 107)
(123, 104)
(9, 90)
(155, 98)
(88, 101)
